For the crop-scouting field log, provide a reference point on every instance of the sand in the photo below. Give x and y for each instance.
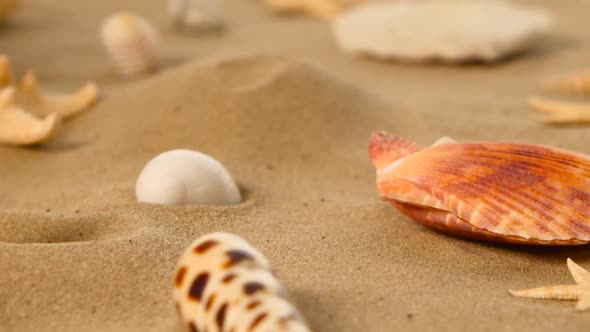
(289, 115)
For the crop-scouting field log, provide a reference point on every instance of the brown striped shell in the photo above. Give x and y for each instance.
(223, 284)
(502, 192)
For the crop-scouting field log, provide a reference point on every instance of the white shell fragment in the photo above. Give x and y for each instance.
(222, 283)
(196, 14)
(448, 31)
(181, 177)
(132, 42)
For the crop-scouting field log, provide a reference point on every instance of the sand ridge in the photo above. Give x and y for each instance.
(77, 253)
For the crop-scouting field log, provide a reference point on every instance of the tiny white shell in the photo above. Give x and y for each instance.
(132, 42)
(181, 177)
(196, 14)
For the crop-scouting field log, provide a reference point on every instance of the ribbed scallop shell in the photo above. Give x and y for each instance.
(504, 192)
(132, 42)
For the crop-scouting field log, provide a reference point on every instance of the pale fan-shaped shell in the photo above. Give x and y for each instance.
(505, 192)
(132, 42)
(450, 31)
(196, 14)
(186, 177)
(223, 284)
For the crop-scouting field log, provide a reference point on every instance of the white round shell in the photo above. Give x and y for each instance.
(196, 14)
(132, 42)
(450, 31)
(181, 177)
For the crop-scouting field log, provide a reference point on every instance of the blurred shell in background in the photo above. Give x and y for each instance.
(448, 31)
(7, 6)
(196, 14)
(132, 42)
(320, 8)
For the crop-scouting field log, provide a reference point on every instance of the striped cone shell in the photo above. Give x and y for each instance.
(132, 42)
(223, 284)
(502, 192)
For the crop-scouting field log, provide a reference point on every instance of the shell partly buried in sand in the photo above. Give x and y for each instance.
(503, 192)
(319, 8)
(18, 127)
(181, 177)
(196, 14)
(223, 284)
(132, 42)
(448, 31)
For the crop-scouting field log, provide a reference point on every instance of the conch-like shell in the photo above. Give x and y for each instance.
(319, 8)
(223, 284)
(132, 42)
(29, 97)
(180, 177)
(18, 127)
(196, 14)
(502, 192)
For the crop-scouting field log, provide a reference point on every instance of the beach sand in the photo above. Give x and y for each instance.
(289, 115)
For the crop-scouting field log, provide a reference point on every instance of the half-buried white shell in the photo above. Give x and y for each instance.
(181, 177)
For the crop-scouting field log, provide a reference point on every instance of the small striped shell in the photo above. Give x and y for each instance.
(223, 284)
(503, 192)
(132, 42)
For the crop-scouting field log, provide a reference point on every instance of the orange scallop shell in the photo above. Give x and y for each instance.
(494, 191)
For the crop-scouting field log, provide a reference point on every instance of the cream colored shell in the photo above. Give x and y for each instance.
(449, 31)
(196, 14)
(132, 42)
(180, 177)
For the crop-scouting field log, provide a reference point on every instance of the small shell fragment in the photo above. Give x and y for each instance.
(561, 112)
(494, 191)
(223, 284)
(319, 8)
(180, 177)
(578, 82)
(18, 127)
(132, 42)
(196, 15)
(447, 31)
